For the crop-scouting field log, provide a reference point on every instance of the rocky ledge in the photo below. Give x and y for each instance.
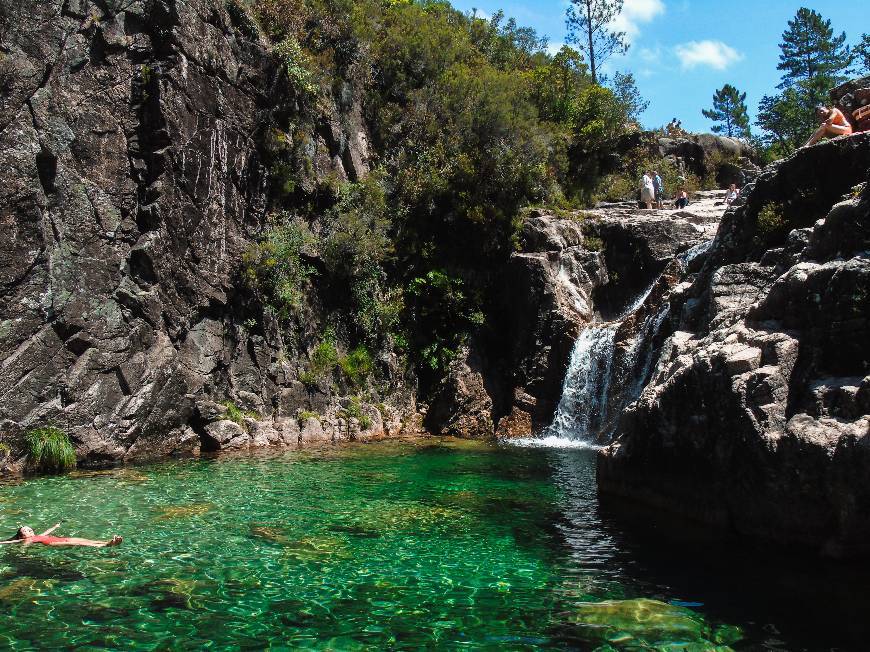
(757, 416)
(573, 268)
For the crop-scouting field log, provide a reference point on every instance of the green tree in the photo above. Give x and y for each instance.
(861, 55)
(589, 26)
(729, 111)
(556, 84)
(624, 88)
(783, 121)
(813, 59)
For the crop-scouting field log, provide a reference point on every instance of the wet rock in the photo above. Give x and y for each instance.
(225, 435)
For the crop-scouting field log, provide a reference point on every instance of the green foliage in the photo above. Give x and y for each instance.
(470, 121)
(624, 88)
(5, 451)
(444, 316)
(590, 27)
(238, 415)
(812, 60)
(770, 223)
(593, 243)
(729, 111)
(49, 450)
(274, 268)
(556, 84)
(784, 119)
(296, 65)
(861, 55)
(623, 185)
(305, 415)
(357, 365)
(325, 355)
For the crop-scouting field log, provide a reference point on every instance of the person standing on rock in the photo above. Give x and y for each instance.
(659, 188)
(834, 124)
(647, 191)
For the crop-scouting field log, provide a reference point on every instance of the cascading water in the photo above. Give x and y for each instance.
(604, 376)
(599, 378)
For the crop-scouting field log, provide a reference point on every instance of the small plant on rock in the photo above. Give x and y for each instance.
(770, 222)
(49, 450)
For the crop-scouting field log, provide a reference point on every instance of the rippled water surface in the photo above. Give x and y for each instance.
(429, 544)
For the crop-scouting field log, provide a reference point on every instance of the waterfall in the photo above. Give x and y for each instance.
(601, 379)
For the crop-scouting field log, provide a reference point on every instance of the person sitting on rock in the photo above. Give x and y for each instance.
(682, 199)
(27, 536)
(834, 124)
(732, 195)
(647, 190)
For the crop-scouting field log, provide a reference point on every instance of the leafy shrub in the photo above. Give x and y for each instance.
(237, 415)
(354, 411)
(296, 65)
(593, 243)
(274, 268)
(443, 316)
(305, 415)
(357, 365)
(49, 450)
(770, 223)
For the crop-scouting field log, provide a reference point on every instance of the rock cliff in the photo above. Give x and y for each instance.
(572, 269)
(756, 416)
(132, 139)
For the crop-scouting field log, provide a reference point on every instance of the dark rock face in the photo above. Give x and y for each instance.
(133, 182)
(570, 271)
(757, 415)
(729, 159)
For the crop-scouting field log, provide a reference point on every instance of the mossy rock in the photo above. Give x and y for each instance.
(644, 623)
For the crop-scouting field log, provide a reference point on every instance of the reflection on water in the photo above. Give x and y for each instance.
(430, 544)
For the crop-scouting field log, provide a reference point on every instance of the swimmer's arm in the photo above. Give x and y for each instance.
(12, 541)
(50, 530)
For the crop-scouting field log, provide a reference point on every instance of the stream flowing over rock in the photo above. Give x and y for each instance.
(757, 415)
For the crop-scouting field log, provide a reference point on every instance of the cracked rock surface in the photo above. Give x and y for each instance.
(130, 139)
(757, 416)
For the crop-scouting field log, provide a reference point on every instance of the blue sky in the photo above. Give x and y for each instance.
(683, 50)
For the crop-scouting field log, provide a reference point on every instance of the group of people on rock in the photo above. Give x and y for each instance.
(652, 192)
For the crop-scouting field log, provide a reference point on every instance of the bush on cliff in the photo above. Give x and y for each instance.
(49, 450)
(470, 120)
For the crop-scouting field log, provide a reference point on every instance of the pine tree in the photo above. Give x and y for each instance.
(813, 60)
(861, 55)
(589, 27)
(729, 109)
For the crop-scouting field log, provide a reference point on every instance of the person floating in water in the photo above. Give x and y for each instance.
(834, 124)
(27, 536)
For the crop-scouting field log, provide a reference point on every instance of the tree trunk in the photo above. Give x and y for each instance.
(590, 32)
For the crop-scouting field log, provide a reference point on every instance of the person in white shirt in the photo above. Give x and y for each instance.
(647, 190)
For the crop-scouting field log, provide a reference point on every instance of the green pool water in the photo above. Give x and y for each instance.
(429, 544)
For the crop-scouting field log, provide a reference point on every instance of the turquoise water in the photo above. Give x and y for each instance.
(430, 544)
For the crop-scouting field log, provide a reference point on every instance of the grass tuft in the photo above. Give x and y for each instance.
(50, 450)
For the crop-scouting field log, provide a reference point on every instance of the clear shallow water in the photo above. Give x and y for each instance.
(439, 545)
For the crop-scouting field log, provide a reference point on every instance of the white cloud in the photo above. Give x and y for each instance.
(635, 13)
(714, 54)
